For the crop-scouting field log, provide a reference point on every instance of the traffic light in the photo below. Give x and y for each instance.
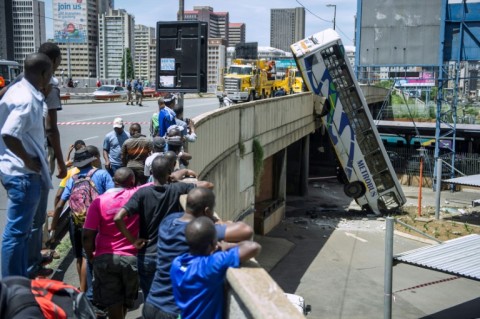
(181, 56)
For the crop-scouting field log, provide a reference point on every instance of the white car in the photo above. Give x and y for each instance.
(110, 90)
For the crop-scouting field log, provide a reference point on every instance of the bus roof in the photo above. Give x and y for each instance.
(8, 62)
(313, 42)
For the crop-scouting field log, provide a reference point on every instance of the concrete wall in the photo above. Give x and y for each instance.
(223, 154)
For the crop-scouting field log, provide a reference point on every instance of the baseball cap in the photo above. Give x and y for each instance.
(159, 142)
(82, 158)
(118, 122)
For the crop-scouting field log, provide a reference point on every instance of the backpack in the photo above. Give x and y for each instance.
(81, 196)
(42, 298)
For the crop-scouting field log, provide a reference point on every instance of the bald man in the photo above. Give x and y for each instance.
(160, 302)
(24, 160)
(198, 277)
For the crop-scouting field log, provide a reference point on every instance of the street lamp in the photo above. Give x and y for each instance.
(334, 13)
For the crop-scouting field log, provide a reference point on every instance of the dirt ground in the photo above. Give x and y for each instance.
(453, 222)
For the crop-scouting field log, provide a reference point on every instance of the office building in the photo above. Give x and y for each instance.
(287, 26)
(6, 30)
(143, 40)
(216, 59)
(236, 33)
(152, 57)
(75, 29)
(28, 27)
(217, 21)
(116, 32)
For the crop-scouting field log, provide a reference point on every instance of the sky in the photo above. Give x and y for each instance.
(254, 13)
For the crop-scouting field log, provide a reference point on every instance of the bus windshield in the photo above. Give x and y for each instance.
(9, 70)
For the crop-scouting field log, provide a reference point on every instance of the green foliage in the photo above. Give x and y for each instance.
(385, 84)
(257, 150)
(241, 149)
(130, 69)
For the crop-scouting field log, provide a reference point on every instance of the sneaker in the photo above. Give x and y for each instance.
(127, 103)
(140, 104)
(47, 256)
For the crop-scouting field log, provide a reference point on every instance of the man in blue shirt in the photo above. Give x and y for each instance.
(112, 146)
(166, 117)
(198, 277)
(172, 243)
(24, 170)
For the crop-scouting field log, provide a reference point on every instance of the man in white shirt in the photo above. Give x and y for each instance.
(24, 169)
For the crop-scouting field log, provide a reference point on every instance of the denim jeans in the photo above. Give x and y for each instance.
(147, 265)
(23, 193)
(36, 235)
(113, 169)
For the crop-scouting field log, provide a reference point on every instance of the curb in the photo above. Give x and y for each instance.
(416, 238)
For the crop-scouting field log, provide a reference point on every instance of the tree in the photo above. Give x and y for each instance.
(130, 70)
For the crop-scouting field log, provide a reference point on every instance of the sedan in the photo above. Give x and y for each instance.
(110, 91)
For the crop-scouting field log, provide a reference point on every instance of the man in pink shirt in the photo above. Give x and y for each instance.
(114, 260)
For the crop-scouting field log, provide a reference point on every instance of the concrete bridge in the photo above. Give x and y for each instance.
(252, 152)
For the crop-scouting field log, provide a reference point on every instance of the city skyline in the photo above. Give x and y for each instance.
(256, 16)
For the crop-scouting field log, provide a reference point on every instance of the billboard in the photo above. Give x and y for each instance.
(398, 32)
(70, 21)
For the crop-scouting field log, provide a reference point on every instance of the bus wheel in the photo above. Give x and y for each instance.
(354, 189)
(251, 96)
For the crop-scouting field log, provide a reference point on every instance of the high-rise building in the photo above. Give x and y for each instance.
(153, 59)
(217, 21)
(28, 27)
(287, 26)
(143, 39)
(6, 30)
(75, 29)
(236, 33)
(116, 31)
(216, 59)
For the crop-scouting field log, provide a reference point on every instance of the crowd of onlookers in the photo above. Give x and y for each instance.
(142, 222)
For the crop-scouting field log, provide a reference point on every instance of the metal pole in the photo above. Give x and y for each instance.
(180, 18)
(68, 59)
(387, 290)
(438, 188)
(334, 15)
(420, 187)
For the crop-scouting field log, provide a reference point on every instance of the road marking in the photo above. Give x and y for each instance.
(356, 237)
(90, 138)
(109, 116)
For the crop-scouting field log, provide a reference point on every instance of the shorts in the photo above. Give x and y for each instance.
(76, 239)
(115, 280)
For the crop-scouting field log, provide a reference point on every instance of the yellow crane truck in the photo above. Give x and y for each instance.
(247, 80)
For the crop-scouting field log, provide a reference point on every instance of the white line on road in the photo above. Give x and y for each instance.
(356, 237)
(90, 138)
(109, 116)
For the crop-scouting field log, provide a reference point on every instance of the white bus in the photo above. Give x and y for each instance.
(370, 178)
(9, 70)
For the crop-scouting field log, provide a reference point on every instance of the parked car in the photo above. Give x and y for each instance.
(110, 90)
(150, 92)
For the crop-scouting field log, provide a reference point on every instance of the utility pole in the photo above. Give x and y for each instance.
(180, 16)
(334, 13)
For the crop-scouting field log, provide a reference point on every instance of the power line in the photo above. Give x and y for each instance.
(320, 18)
(313, 13)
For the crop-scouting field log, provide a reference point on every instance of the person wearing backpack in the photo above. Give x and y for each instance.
(80, 191)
